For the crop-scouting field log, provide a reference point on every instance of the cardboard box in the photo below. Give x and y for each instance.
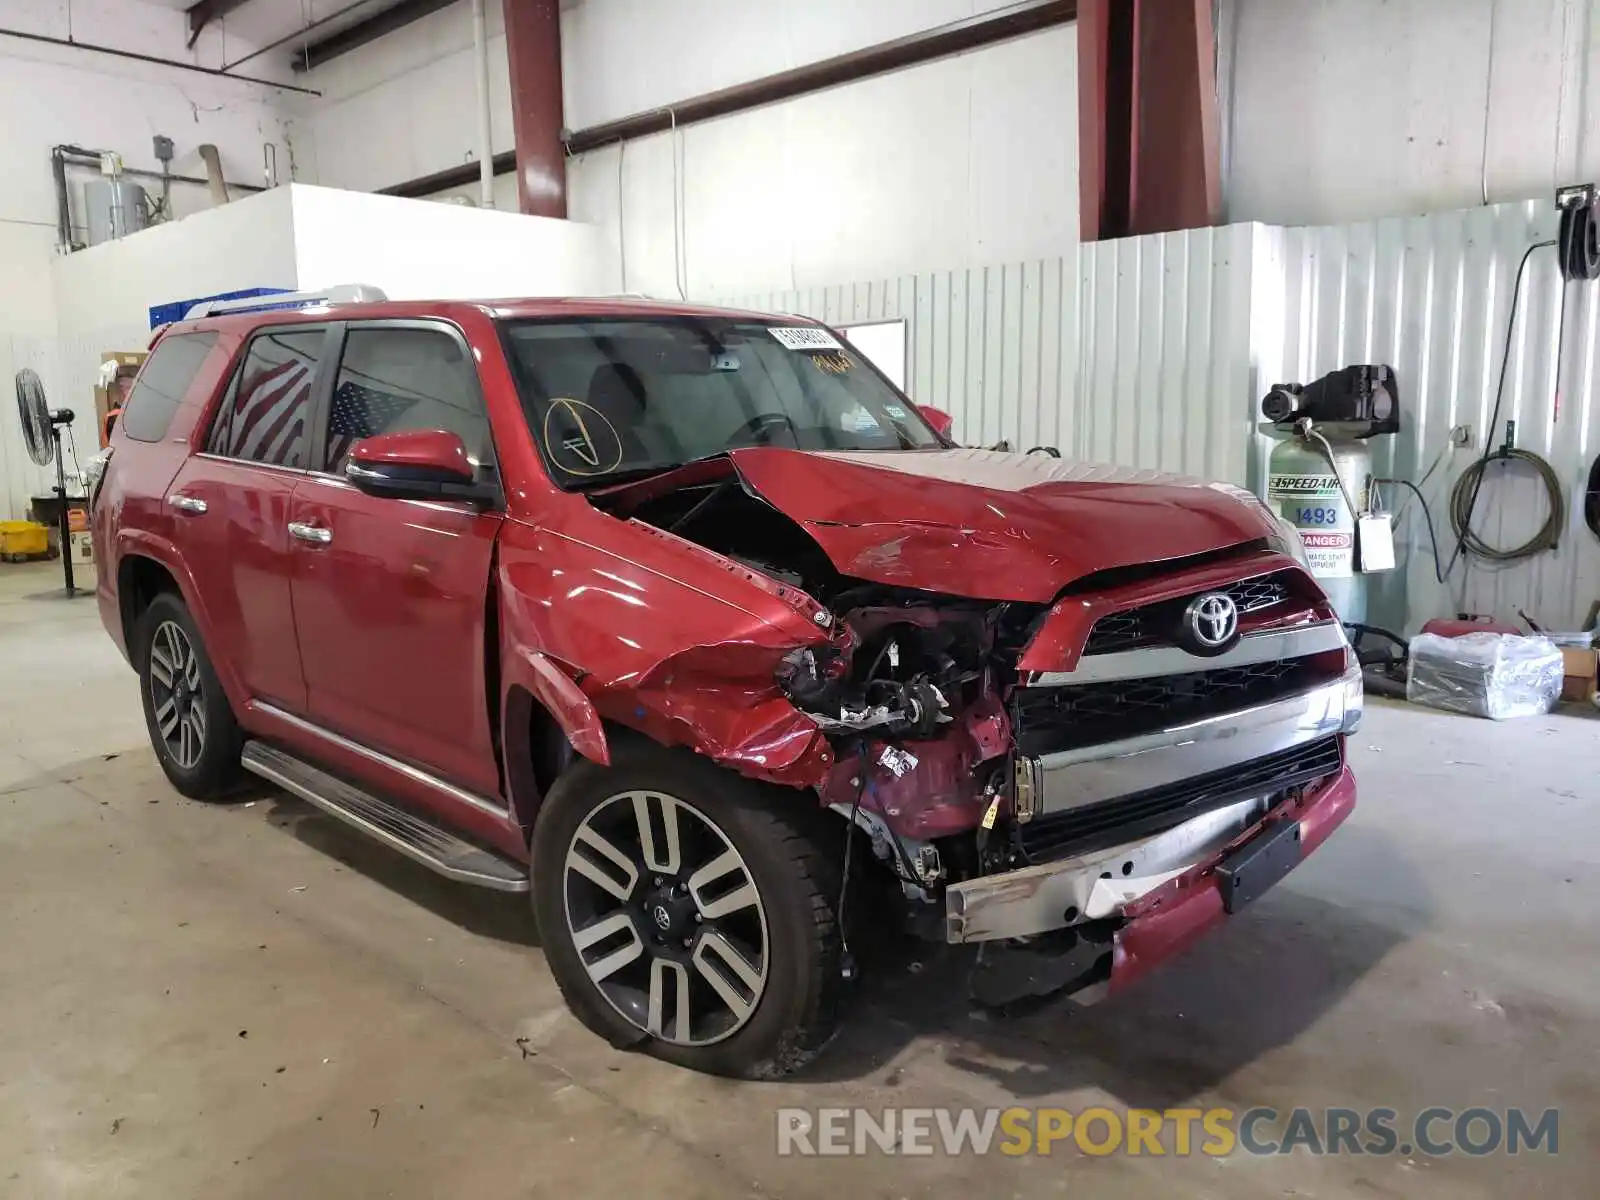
(82, 547)
(1578, 673)
(107, 398)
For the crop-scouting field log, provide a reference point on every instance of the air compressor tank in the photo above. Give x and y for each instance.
(1310, 493)
(1322, 465)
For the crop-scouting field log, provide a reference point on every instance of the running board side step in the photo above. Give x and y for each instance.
(444, 852)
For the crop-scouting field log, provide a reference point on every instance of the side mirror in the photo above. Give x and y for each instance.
(941, 421)
(425, 464)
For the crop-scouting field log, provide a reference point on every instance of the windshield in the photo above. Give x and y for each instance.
(608, 398)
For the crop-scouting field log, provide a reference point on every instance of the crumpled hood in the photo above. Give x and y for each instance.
(994, 525)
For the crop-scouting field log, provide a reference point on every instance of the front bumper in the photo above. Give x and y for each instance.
(1163, 910)
(1101, 883)
(1165, 923)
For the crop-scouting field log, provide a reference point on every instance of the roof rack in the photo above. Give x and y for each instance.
(344, 293)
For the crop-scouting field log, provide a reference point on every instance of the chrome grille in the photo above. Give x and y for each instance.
(1143, 814)
(1058, 718)
(1136, 627)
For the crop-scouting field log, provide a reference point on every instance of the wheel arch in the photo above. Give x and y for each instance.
(140, 579)
(546, 723)
(146, 567)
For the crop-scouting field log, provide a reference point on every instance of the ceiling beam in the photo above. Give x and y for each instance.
(206, 11)
(374, 27)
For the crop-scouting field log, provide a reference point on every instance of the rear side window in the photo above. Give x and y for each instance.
(266, 417)
(161, 385)
(395, 379)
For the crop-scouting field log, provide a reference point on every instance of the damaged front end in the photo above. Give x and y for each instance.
(1074, 786)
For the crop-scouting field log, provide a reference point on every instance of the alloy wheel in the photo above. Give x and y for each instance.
(666, 918)
(177, 694)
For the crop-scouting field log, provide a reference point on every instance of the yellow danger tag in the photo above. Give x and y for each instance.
(991, 813)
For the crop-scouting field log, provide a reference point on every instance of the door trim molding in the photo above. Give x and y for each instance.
(414, 773)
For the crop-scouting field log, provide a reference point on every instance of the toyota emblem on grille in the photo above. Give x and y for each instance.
(1212, 622)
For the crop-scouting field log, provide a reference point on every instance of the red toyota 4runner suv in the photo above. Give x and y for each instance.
(690, 624)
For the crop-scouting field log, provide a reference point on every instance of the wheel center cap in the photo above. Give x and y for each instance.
(672, 915)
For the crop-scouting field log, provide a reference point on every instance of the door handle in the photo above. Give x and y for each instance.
(315, 534)
(190, 504)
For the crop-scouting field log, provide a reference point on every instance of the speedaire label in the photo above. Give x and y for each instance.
(1303, 485)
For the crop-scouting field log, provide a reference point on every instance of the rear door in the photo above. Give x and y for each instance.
(231, 507)
(391, 596)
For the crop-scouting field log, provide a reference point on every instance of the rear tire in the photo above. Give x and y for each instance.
(191, 725)
(715, 947)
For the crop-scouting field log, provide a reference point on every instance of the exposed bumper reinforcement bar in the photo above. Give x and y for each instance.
(1102, 883)
(1169, 879)
(1038, 899)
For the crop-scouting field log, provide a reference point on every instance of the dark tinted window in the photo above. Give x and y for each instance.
(394, 380)
(161, 385)
(267, 414)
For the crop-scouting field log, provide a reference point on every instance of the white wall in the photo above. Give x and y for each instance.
(51, 95)
(108, 290)
(960, 162)
(625, 56)
(1345, 110)
(102, 297)
(419, 249)
(968, 160)
(405, 106)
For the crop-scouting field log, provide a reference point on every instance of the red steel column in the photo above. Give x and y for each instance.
(533, 44)
(1094, 52)
(1147, 117)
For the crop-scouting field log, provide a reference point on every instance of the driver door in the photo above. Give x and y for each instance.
(390, 595)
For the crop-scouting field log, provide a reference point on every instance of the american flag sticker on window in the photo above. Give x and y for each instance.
(804, 337)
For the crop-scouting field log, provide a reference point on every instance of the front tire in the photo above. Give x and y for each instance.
(685, 911)
(190, 722)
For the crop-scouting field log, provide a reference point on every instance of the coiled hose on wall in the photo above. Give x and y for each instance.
(1463, 495)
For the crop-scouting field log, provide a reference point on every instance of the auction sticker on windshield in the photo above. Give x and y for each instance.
(804, 337)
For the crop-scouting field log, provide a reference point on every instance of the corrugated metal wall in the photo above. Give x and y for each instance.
(1432, 296)
(1164, 341)
(1131, 351)
(996, 347)
(1155, 352)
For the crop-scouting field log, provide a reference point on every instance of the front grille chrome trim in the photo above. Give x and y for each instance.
(1070, 779)
(1271, 645)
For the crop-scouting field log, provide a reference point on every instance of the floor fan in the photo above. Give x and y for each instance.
(41, 432)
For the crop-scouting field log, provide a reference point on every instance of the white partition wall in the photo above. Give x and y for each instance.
(1155, 352)
(289, 237)
(420, 249)
(300, 236)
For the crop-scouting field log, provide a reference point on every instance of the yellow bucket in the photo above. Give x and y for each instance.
(22, 539)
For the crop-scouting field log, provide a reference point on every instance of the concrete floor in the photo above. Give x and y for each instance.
(250, 1001)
